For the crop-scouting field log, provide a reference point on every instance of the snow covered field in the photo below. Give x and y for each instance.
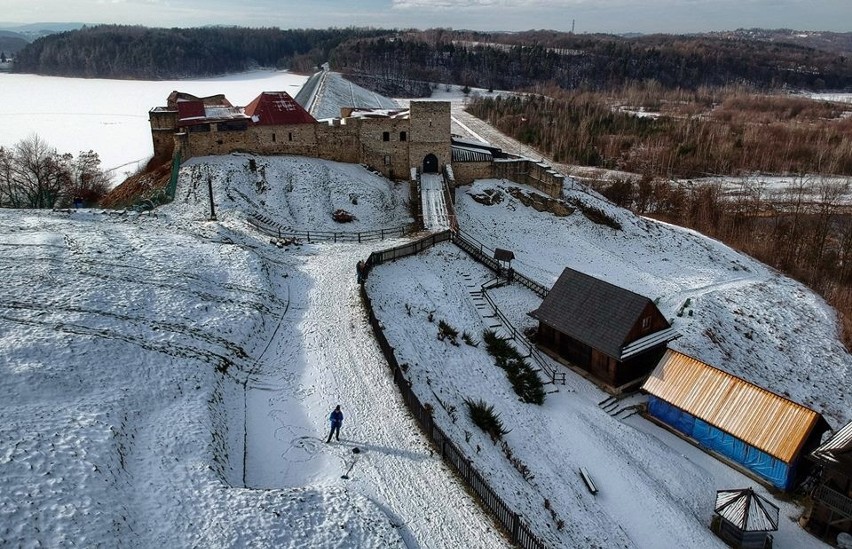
(169, 378)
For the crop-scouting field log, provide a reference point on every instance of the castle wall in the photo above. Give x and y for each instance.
(298, 139)
(467, 172)
(390, 145)
(339, 142)
(388, 156)
(213, 139)
(535, 174)
(430, 132)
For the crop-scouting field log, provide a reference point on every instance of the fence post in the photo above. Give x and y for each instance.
(516, 526)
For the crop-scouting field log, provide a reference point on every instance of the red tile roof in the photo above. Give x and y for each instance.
(277, 108)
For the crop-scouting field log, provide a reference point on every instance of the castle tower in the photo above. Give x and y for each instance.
(429, 143)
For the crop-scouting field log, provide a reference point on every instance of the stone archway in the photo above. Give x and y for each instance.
(430, 163)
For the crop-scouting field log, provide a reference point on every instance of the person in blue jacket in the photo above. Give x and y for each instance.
(336, 421)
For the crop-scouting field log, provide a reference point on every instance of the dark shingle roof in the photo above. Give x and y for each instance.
(591, 311)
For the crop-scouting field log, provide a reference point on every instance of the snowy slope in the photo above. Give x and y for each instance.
(742, 316)
(655, 489)
(335, 92)
(168, 378)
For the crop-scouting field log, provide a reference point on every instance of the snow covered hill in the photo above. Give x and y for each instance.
(167, 379)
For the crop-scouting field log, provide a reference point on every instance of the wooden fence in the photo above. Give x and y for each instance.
(276, 229)
(515, 526)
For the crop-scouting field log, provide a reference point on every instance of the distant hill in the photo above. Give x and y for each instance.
(11, 42)
(32, 31)
(15, 36)
(836, 42)
(400, 62)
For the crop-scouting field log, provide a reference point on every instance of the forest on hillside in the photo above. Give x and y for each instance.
(392, 60)
(135, 52)
(527, 61)
(659, 133)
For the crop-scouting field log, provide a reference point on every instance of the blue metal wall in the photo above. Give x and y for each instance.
(775, 471)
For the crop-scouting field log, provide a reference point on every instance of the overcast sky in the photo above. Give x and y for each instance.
(608, 16)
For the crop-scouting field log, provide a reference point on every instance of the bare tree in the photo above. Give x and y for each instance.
(34, 175)
(38, 172)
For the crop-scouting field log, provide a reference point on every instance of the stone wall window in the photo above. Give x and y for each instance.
(290, 136)
(273, 138)
(385, 136)
(402, 136)
(387, 160)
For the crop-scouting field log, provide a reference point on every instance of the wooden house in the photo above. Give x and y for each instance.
(764, 433)
(831, 514)
(616, 335)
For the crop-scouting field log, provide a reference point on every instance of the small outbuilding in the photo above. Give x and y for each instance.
(764, 433)
(616, 335)
(744, 519)
(830, 516)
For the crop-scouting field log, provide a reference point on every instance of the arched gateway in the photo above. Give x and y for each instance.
(430, 164)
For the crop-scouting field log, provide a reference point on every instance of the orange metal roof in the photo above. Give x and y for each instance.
(769, 422)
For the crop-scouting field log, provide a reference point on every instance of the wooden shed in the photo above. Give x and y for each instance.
(764, 433)
(616, 335)
(831, 513)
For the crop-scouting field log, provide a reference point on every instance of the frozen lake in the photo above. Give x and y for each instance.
(110, 117)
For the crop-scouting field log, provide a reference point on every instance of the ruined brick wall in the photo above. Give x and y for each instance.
(538, 175)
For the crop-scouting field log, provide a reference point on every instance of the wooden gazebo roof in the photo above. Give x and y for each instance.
(747, 510)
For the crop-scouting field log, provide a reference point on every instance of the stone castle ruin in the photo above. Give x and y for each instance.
(391, 141)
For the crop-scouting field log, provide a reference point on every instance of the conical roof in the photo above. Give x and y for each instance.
(747, 510)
